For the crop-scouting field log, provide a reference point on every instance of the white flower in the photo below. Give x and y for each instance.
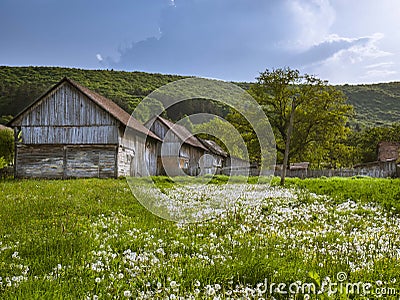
(210, 290)
(127, 294)
(97, 280)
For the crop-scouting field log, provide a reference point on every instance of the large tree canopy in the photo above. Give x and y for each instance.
(320, 114)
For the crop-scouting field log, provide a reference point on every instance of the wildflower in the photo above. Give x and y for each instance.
(97, 280)
(127, 294)
(210, 290)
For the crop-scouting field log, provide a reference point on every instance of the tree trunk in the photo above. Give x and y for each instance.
(289, 134)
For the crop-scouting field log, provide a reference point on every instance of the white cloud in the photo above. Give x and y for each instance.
(236, 39)
(314, 19)
(360, 62)
(99, 57)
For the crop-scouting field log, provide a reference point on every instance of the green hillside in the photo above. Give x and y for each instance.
(375, 104)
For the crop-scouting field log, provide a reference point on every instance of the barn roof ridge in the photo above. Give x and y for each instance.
(106, 104)
(213, 147)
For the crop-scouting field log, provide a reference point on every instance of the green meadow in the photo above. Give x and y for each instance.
(91, 239)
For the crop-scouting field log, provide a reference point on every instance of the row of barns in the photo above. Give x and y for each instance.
(73, 132)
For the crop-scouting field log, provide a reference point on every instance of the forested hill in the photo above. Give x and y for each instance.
(374, 104)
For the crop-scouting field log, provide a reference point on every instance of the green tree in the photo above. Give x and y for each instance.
(5, 119)
(320, 112)
(366, 141)
(227, 137)
(7, 146)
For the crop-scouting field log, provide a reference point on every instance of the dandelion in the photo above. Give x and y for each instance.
(210, 290)
(127, 294)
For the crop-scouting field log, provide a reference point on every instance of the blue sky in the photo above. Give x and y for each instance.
(342, 41)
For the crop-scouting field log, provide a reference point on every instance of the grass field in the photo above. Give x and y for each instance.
(91, 239)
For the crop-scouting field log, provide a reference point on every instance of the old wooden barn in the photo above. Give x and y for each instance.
(213, 161)
(72, 131)
(180, 152)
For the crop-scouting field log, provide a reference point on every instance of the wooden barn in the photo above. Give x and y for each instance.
(180, 152)
(212, 162)
(73, 132)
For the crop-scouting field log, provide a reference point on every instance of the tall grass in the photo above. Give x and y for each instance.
(91, 238)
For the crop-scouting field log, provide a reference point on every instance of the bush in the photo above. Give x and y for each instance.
(6, 146)
(3, 163)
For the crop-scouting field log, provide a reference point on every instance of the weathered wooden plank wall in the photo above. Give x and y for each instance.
(65, 161)
(211, 164)
(66, 116)
(234, 166)
(40, 161)
(175, 154)
(136, 155)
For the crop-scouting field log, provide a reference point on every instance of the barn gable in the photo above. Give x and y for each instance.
(67, 116)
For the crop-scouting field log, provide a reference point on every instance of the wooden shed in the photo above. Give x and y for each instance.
(180, 152)
(212, 162)
(72, 132)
